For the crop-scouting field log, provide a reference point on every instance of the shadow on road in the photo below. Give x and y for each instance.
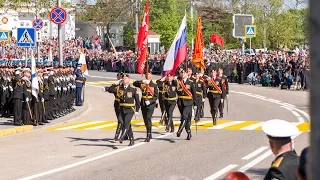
(111, 140)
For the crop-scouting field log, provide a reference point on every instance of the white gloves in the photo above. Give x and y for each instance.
(42, 100)
(175, 78)
(136, 113)
(64, 89)
(11, 89)
(55, 88)
(221, 100)
(146, 81)
(27, 99)
(203, 100)
(4, 88)
(103, 89)
(17, 72)
(147, 103)
(208, 78)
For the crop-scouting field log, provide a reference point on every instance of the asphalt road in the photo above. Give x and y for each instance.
(83, 147)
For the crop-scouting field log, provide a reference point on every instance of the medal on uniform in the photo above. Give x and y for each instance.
(173, 88)
(129, 94)
(188, 86)
(199, 85)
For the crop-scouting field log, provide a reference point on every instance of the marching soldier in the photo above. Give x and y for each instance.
(129, 105)
(161, 100)
(225, 92)
(148, 101)
(186, 93)
(114, 90)
(52, 95)
(46, 96)
(170, 100)
(200, 96)
(215, 90)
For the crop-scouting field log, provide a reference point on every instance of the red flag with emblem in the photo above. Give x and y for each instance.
(143, 40)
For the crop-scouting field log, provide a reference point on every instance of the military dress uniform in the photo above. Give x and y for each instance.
(200, 96)
(52, 97)
(161, 100)
(215, 90)
(46, 96)
(225, 92)
(129, 104)
(186, 93)
(79, 85)
(170, 101)
(286, 163)
(17, 101)
(114, 89)
(26, 105)
(150, 94)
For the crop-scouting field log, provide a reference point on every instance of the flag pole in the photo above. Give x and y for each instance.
(147, 59)
(185, 13)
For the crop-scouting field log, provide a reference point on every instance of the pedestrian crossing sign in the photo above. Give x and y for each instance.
(4, 36)
(250, 31)
(26, 37)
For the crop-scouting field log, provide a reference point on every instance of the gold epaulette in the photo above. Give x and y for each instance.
(277, 162)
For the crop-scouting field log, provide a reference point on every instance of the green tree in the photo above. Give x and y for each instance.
(128, 34)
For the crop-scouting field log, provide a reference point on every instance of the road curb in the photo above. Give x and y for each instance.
(15, 130)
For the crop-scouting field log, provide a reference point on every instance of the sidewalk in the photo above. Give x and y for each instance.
(7, 128)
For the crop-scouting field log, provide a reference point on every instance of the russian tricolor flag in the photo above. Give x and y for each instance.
(178, 50)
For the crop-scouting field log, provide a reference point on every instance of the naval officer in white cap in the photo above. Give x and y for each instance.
(279, 133)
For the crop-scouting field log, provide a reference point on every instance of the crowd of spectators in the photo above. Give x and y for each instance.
(279, 68)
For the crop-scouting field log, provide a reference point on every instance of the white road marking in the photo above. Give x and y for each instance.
(287, 104)
(300, 119)
(220, 126)
(79, 125)
(221, 172)
(254, 153)
(274, 100)
(255, 161)
(90, 159)
(201, 123)
(103, 77)
(102, 126)
(252, 127)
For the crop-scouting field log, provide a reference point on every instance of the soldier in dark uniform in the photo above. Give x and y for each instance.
(40, 103)
(52, 95)
(240, 71)
(225, 92)
(79, 85)
(200, 96)
(170, 100)
(113, 89)
(46, 96)
(27, 117)
(129, 105)
(149, 98)
(17, 99)
(186, 93)
(161, 101)
(214, 86)
(287, 161)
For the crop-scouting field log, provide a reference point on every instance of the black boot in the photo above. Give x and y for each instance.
(123, 135)
(189, 136)
(131, 141)
(162, 118)
(149, 136)
(214, 119)
(168, 124)
(172, 127)
(181, 128)
(221, 115)
(116, 136)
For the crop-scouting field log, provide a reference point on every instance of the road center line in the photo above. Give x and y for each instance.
(79, 125)
(221, 172)
(254, 153)
(300, 119)
(90, 159)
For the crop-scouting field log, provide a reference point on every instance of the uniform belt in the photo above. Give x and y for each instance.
(146, 97)
(162, 91)
(79, 81)
(199, 93)
(127, 104)
(29, 90)
(213, 91)
(116, 99)
(171, 99)
(184, 97)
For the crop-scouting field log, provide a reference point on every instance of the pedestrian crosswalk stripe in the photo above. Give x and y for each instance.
(252, 127)
(139, 125)
(241, 125)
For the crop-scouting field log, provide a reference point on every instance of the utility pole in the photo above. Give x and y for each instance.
(60, 38)
(314, 40)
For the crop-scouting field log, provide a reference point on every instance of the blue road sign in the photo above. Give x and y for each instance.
(250, 31)
(26, 37)
(4, 36)
(37, 24)
(58, 15)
